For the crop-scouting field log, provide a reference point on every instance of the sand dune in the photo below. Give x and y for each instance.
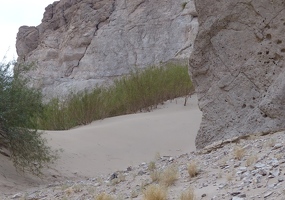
(115, 143)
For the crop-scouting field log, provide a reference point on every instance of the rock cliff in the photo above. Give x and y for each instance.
(81, 43)
(238, 68)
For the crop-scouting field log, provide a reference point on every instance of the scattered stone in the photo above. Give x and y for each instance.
(262, 172)
(113, 176)
(141, 173)
(97, 184)
(277, 146)
(268, 194)
(235, 193)
(259, 165)
(213, 178)
(16, 196)
(242, 195)
(237, 198)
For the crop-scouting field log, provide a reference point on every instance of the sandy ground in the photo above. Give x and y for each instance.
(114, 144)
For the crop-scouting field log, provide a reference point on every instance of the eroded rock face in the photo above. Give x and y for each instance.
(238, 68)
(27, 40)
(81, 43)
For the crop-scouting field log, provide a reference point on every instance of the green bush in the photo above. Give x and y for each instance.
(141, 90)
(19, 105)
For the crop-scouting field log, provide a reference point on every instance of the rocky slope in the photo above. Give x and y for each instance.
(81, 43)
(249, 168)
(238, 68)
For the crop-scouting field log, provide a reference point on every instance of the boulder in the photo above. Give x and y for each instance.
(238, 68)
(27, 41)
(82, 43)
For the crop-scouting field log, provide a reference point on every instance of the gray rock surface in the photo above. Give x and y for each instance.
(81, 43)
(238, 68)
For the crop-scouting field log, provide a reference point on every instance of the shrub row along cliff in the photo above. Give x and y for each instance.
(141, 90)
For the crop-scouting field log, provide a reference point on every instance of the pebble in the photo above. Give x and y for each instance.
(277, 146)
(268, 194)
(235, 193)
(237, 198)
(259, 165)
(16, 196)
(113, 176)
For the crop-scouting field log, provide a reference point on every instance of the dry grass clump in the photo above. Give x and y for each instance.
(104, 196)
(188, 194)
(229, 177)
(251, 160)
(169, 176)
(155, 192)
(151, 166)
(192, 169)
(157, 156)
(68, 191)
(279, 156)
(239, 152)
(155, 175)
(271, 142)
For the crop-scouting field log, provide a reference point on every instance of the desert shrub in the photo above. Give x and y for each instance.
(239, 152)
(103, 196)
(192, 169)
(169, 176)
(19, 105)
(188, 194)
(155, 192)
(141, 90)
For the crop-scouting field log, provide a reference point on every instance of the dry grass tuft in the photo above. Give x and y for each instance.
(155, 192)
(229, 177)
(69, 191)
(155, 175)
(151, 166)
(271, 142)
(279, 156)
(188, 194)
(104, 196)
(157, 156)
(251, 160)
(192, 169)
(239, 152)
(77, 188)
(169, 176)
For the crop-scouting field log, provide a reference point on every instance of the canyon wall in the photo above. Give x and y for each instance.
(238, 68)
(82, 43)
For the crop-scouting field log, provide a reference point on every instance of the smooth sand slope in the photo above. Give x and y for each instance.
(113, 144)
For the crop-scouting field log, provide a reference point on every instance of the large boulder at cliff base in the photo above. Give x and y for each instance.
(238, 68)
(82, 43)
